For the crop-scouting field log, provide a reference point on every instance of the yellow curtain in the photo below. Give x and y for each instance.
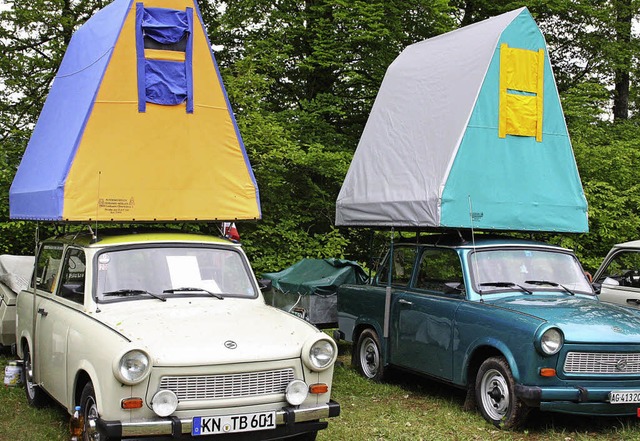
(521, 92)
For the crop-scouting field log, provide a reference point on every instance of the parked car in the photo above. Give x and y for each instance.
(15, 274)
(618, 278)
(167, 335)
(514, 322)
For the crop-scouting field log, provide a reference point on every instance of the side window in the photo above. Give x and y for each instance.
(403, 261)
(623, 270)
(440, 271)
(73, 275)
(48, 267)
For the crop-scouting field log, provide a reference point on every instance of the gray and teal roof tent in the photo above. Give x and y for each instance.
(467, 131)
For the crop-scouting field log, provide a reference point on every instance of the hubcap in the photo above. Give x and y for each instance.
(495, 394)
(90, 418)
(369, 358)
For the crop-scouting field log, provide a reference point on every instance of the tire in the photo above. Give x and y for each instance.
(36, 397)
(368, 356)
(495, 395)
(89, 409)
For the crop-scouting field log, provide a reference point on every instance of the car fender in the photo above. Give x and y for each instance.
(363, 323)
(74, 389)
(489, 345)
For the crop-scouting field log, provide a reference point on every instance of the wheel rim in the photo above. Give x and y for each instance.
(369, 357)
(90, 418)
(28, 374)
(495, 394)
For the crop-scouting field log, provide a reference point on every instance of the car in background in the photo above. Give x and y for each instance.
(618, 278)
(513, 322)
(15, 275)
(166, 335)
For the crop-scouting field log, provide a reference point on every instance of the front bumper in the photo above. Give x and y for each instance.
(576, 400)
(289, 421)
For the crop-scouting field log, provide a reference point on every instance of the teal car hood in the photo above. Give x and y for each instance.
(606, 323)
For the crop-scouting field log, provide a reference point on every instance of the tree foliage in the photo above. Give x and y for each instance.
(302, 76)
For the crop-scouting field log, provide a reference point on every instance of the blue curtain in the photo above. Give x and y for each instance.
(164, 82)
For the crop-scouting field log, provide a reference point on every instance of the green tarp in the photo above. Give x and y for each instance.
(308, 288)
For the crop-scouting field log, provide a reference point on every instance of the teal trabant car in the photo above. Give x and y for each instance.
(514, 322)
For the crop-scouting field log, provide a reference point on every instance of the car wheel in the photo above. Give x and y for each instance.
(368, 356)
(89, 410)
(495, 394)
(36, 397)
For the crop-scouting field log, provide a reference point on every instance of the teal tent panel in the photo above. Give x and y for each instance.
(515, 183)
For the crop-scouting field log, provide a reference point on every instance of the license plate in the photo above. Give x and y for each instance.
(624, 396)
(233, 423)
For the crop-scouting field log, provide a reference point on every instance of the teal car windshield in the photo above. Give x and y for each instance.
(526, 271)
(171, 271)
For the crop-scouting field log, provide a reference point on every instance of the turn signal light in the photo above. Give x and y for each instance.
(547, 372)
(318, 388)
(131, 403)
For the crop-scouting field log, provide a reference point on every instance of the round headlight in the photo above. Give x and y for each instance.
(296, 392)
(132, 367)
(319, 354)
(164, 403)
(551, 341)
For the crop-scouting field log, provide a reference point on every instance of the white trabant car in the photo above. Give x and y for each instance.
(618, 278)
(167, 335)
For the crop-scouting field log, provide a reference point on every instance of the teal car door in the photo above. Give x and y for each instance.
(422, 317)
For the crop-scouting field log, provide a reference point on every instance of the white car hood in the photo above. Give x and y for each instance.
(196, 331)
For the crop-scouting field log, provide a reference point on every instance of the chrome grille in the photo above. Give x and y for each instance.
(214, 387)
(602, 363)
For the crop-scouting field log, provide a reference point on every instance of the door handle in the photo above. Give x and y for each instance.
(405, 302)
(42, 312)
(633, 301)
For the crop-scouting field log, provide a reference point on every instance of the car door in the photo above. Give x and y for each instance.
(424, 315)
(619, 279)
(54, 319)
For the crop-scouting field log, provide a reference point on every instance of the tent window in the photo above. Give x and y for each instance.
(521, 92)
(164, 50)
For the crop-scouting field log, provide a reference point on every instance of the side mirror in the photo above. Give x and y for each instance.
(265, 284)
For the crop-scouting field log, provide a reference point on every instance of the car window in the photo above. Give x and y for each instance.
(135, 273)
(73, 276)
(48, 267)
(404, 258)
(622, 270)
(534, 269)
(440, 271)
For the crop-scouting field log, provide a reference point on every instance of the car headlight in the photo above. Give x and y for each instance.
(551, 341)
(296, 392)
(319, 354)
(164, 403)
(132, 367)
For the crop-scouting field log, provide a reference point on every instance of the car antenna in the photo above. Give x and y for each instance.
(473, 245)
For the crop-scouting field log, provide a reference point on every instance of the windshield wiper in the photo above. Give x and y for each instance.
(192, 289)
(506, 285)
(132, 292)
(547, 282)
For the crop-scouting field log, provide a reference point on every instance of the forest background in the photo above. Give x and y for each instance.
(302, 77)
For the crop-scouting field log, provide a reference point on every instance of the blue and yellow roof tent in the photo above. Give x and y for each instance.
(467, 131)
(137, 126)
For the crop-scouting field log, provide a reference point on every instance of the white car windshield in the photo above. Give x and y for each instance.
(527, 270)
(161, 272)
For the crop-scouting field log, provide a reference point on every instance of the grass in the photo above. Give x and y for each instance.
(406, 407)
